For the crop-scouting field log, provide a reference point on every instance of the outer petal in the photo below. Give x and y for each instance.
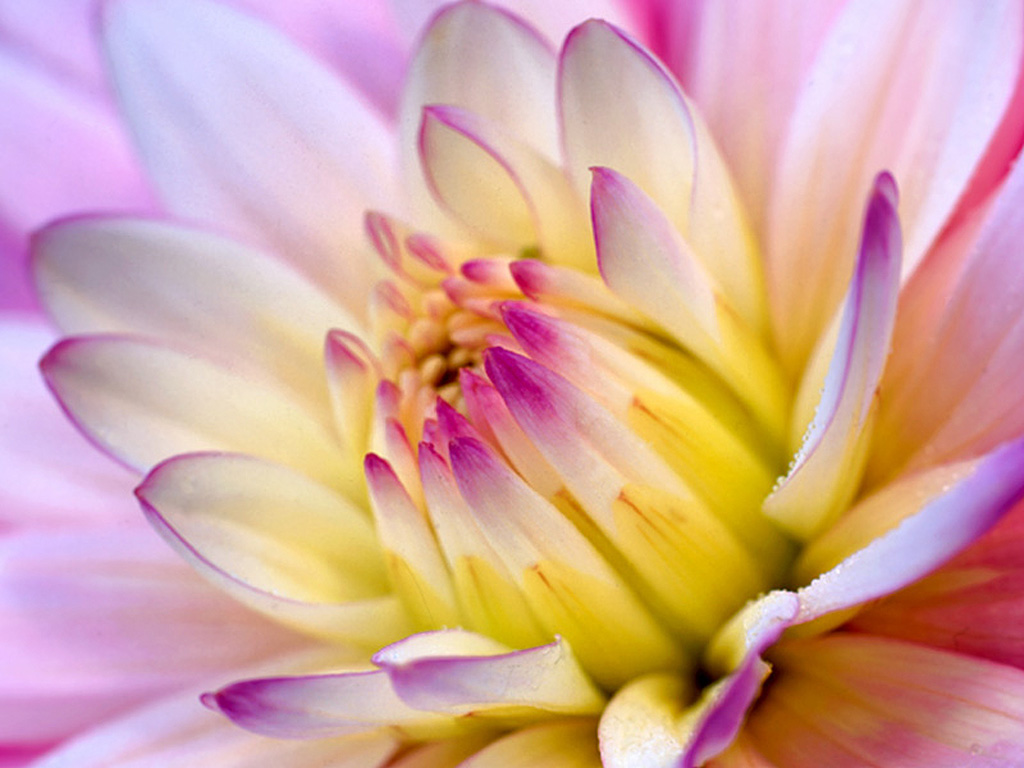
(851, 700)
(744, 65)
(177, 733)
(240, 129)
(276, 540)
(86, 613)
(189, 289)
(49, 473)
(953, 389)
(196, 405)
(972, 605)
(916, 88)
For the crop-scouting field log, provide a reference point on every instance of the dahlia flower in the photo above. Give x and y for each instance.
(633, 391)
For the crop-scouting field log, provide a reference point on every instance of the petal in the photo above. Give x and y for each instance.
(322, 706)
(276, 540)
(191, 290)
(918, 89)
(49, 473)
(850, 699)
(904, 531)
(674, 545)
(86, 613)
(963, 397)
(415, 563)
(489, 62)
(559, 744)
(646, 263)
(619, 108)
(972, 605)
(210, 154)
(827, 469)
(144, 403)
(501, 187)
(559, 572)
(458, 673)
(744, 64)
(178, 733)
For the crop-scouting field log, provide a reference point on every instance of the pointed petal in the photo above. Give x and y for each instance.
(619, 108)
(827, 469)
(558, 744)
(452, 672)
(644, 261)
(850, 699)
(174, 62)
(352, 372)
(143, 403)
(918, 89)
(322, 706)
(188, 289)
(464, 52)
(501, 187)
(560, 573)
(972, 605)
(417, 568)
(904, 531)
(177, 733)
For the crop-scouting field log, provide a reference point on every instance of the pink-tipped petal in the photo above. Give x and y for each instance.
(485, 60)
(619, 108)
(332, 155)
(415, 563)
(455, 672)
(322, 706)
(827, 468)
(852, 699)
(195, 405)
(936, 515)
(189, 289)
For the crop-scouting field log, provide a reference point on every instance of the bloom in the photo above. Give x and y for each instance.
(496, 400)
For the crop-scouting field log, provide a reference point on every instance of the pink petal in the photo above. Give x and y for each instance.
(744, 65)
(852, 700)
(963, 397)
(177, 732)
(322, 706)
(971, 500)
(49, 474)
(454, 672)
(826, 471)
(331, 154)
(918, 89)
(971, 605)
(85, 615)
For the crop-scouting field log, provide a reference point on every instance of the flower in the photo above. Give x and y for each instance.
(496, 400)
